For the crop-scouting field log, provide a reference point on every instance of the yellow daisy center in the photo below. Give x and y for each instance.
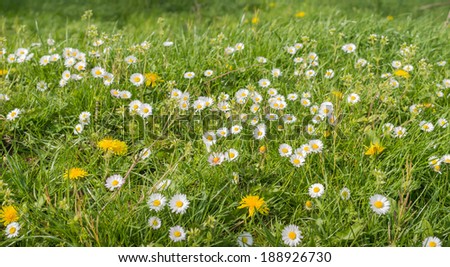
(13, 114)
(296, 161)
(315, 146)
(177, 233)
(292, 235)
(179, 203)
(155, 223)
(216, 159)
(432, 244)
(232, 155)
(137, 79)
(115, 183)
(135, 106)
(284, 150)
(245, 240)
(12, 230)
(156, 203)
(146, 110)
(316, 189)
(97, 72)
(378, 204)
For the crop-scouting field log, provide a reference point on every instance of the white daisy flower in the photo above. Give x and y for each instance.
(4, 97)
(408, 68)
(264, 83)
(41, 86)
(432, 241)
(231, 154)
(298, 46)
(145, 110)
(235, 129)
(260, 131)
(134, 106)
(329, 74)
(98, 72)
(271, 117)
(285, 150)
(316, 146)
(388, 127)
(353, 98)
(156, 202)
(316, 190)
(189, 75)
(145, 153)
(80, 66)
(222, 132)
(261, 60)
(177, 234)
(305, 102)
(297, 160)
(399, 132)
(229, 50)
(443, 123)
(44, 60)
(78, 129)
(199, 105)
(209, 138)
(291, 235)
(345, 193)
(162, 185)
(298, 60)
(445, 159)
(179, 203)
(239, 46)
(176, 93)
(113, 182)
(130, 60)
(396, 64)
(245, 239)
(208, 73)
(215, 158)
(349, 48)
(66, 75)
(184, 105)
(154, 222)
(276, 73)
(310, 73)
(379, 204)
(426, 126)
(14, 114)
(292, 97)
(137, 79)
(310, 129)
(125, 94)
(291, 50)
(12, 230)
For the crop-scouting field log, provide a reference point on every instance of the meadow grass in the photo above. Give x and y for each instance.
(40, 146)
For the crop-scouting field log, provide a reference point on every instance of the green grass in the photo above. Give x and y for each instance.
(39, 146)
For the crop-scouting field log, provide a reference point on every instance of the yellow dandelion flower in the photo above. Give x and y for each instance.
(152, 79)
(300, 14)
(254, 203)
(75, 173)
(255, 20)
(338, 94)
(3, 72)
(262, 149)
(114, 146)
(374, 149)
(8, 215)
(390, 17)
(402, 73)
